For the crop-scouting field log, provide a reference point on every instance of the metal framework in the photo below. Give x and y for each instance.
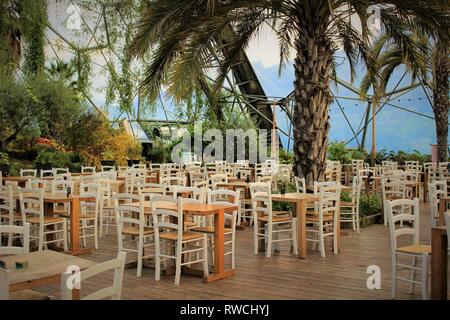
(245, 92)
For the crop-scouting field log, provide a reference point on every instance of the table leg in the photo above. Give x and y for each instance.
(74, 235)
(438, 265)
(219, 250)
(300, 209)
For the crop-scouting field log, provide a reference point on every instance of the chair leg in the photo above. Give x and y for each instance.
(269, 240)
(178, 263)
(321, 242)
(255, 238)
(140, 255)
(205, 257)
(83, 232)
(157, 261)
(357, 219)
(95, 234)
(413, 276)
(424, 276)
(335, 236)
(394, 276)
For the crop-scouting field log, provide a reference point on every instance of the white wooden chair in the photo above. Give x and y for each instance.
(32, 210)
(192, 193)
(415, 251)
(391, 189)
(39, 184)
(173, 181)
(62, 187)
(57, 171)
(181, 242)
(436, 190)
(10, 231)
(272, 225)
(107, 213)
(226, 197)
(300, 184)
(8, 216)
(89, 216)
(322, 223)
(216, 179)
(131, 223)
(87, 169)
(32, 173)
(350, 210)
(113, 292)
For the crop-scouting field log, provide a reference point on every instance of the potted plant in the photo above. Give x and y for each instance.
(4, 164)
(76, 161)
(108, 159)
(50, 158)
(134, 154)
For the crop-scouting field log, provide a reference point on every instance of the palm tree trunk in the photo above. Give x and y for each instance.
(441, 101)
(313, 70)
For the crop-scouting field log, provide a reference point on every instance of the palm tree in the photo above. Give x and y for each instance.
(187, 37)
(428, 58)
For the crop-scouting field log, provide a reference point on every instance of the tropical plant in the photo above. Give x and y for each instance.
(338, 151)
(424, 58)
(190, 37)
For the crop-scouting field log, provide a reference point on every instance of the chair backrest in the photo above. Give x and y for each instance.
(329, 200)
(24, 231)
(409, 212)
(174, 181)
(161, 215)
(108, 168)
(187, 192)
(87, 169)
(6, 202)
(413, 166)
(61, 186)
(216, 179)
(46, 173)
(114, 291)
(265, 179)
(436, 190)
(356, 191)
(331, 184)
(300, 184)
(128, 214)
(227, 197)
(60, 171)
(13, 184)
(147, 189)
(32, 203)
(261, 196)
(43, 184)
(28, 173)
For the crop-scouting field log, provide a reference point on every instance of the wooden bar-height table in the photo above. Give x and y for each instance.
(74, 200)
(300, 200)
(218, 210)
(439, 270)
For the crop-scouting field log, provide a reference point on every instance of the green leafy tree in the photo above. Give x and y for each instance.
(188, 38)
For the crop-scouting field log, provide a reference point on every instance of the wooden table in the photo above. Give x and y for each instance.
(218, 210)
(439, 270)
(74, 200)
(300, 200)
(20, 180)
(44, 267)
(443, 203)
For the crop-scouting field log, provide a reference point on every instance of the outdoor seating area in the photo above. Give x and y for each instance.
(147, 225)
(232, 153)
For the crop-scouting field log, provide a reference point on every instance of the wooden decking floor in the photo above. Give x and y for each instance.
(282, 276)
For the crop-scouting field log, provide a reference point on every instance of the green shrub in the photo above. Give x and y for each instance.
(56, 158)
(369, 204)
(4, 159)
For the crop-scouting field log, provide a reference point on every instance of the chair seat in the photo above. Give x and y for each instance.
(209, 229)
(47, 220)
(315, 217)
(275, 219)
(347, 204)
(16, 216)
(186, 236)
(278, 213)
(246, 201)
(134, 231)
(190, 224)
(415, 249)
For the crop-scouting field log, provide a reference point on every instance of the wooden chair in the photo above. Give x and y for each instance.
(113, 292)
(107, 212)
(173, 181)
(62, 187)
(10, 230)
(32, 173)
(108, 168)
(226, 197)
(8, 216)
(192, 193)
(89, 216)
(322, 222)
(391, 189)
(32, 210)
(436, 190)
(271, 224)
(350, 210)
(215, 179)
(131, 223)
(414, 251)
(300, 184)
(181, 242)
